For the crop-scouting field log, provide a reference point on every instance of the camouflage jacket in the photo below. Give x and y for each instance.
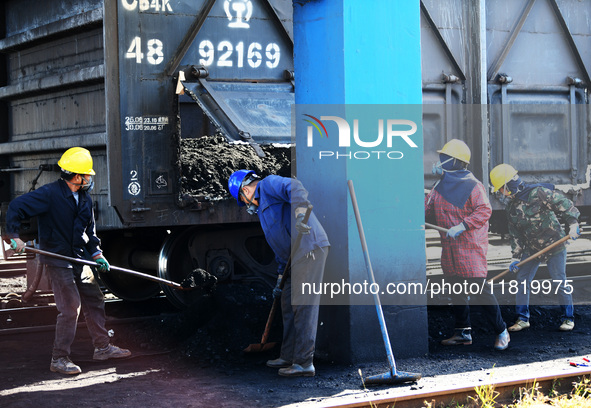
(534, 224)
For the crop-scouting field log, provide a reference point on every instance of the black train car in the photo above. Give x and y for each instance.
(169, 96)
(509, 77)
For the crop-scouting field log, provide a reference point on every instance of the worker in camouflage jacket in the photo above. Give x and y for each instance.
(459, 203)
(533, 212)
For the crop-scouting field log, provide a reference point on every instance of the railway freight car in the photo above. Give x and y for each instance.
(511, 79)
(172, 95)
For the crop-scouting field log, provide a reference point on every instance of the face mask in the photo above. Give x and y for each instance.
(88, 186)
(252, 209)
(503, 198)
(438, 167)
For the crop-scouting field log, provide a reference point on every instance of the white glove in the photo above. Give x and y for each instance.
(454, 231)
(574, 231)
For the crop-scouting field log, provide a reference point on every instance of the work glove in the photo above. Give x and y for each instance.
(302, 228)
(102, 264)
(277, 290)
(455, 231)
(437, 169)
(513, 267)
(574, 231)
(18, 245)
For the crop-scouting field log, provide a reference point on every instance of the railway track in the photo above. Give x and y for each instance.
(428, 390)
(41, 317)
(559, 382)
(11, 268)
(16, 315)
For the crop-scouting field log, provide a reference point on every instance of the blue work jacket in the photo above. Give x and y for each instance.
(278, 197)
(65, 228)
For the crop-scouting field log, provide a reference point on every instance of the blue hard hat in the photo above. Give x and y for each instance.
(235, 184)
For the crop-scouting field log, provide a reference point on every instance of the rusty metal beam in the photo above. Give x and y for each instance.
(77, 77)
(89, 18)
(53, 144)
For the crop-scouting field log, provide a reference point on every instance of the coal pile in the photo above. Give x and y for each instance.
(215, 329)
(200, 278)
(208, 162)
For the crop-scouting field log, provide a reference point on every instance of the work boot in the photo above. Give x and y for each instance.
(567, 325)
(110, 351)
(461, 336)
(64, 365)
(278, 363)
(296, 370)
(519, 325)
(502, 341)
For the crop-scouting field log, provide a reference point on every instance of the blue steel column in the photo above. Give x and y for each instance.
(358, 52)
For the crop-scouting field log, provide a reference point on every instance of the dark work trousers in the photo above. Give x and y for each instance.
(75, 288)
(461, 300)
(300, 313)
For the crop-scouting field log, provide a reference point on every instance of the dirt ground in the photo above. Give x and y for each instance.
(181, 359)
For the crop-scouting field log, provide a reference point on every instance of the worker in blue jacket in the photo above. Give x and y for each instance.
(279, 203)
(66, 226)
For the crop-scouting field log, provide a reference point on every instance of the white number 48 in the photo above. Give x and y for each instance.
(154, 53)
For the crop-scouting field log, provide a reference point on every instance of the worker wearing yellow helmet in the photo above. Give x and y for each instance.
(66, 226)
(533, 213)
(76, 164)
(459, 203)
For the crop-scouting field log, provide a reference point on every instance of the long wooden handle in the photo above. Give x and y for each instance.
(436, 227)
(534, 256)
(111, 267)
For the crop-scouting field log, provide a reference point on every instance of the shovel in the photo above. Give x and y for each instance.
(534, 256)
(392, 376)
(197, 278)
(263, 345)
(436, 227)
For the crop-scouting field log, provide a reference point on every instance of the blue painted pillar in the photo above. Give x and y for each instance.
(362, 60)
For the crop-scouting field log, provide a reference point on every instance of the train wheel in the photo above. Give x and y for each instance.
(178, 258)
(236, 254)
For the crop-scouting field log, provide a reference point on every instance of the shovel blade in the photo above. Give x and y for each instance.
(259, 348)
(200, 278)
(388, 378)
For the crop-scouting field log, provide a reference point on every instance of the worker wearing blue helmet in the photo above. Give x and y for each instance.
(280, 204)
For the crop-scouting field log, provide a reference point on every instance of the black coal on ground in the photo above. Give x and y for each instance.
(206, 164)
(200, 278)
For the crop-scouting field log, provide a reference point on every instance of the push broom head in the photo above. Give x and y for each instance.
(388, 378)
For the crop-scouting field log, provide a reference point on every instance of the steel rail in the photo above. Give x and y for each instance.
(507, 391)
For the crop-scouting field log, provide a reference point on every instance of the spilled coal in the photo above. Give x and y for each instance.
(206, 164)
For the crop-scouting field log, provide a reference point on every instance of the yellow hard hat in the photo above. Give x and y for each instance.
(500, 175)
(456, 149)
(77, 160)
